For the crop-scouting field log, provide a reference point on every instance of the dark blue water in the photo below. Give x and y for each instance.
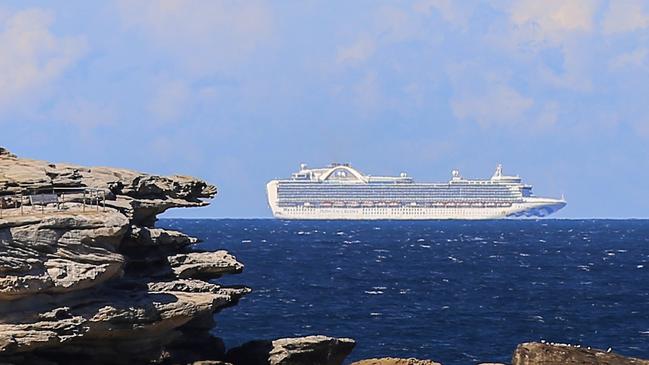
(455, 292)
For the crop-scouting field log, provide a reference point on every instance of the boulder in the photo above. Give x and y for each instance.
(535, 353)
(310, 350)
(204, 264)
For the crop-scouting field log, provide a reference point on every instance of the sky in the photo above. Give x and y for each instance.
(242, 92)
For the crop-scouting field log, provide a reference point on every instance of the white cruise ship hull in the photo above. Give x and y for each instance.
(400, 213)
(530, 207)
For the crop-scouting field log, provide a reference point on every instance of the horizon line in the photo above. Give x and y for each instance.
(414, 220)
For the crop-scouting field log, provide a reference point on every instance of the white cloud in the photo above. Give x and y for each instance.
(554, 17)
(31, 56)
(358, 52)
(388, 26)
(206, 36)
(635, 58)
(555, 39)
(396, 24)
(578, 69)
(488, 100)
(625, 16)
(500, 105)
(448, 9)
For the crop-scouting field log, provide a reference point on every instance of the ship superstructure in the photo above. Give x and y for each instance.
(339, 191)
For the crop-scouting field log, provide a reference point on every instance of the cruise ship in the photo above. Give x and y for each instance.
(340, 191)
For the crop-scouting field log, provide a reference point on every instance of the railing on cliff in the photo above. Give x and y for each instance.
(55, 197)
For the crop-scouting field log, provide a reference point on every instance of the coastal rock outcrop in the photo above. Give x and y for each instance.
(72, 284)
(309, 350)
(535, 353)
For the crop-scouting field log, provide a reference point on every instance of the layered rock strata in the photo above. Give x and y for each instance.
(95, 281)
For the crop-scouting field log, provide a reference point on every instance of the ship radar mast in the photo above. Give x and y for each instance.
(456, 174)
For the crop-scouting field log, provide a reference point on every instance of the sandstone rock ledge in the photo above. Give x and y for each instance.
(103, 285)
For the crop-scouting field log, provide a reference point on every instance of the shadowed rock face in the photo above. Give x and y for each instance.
(71, 290)
(534, 353)
(310, 350)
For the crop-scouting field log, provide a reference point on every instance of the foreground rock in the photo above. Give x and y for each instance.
(534, 353)
(72, 287)
(395, 361)
(310, 350)
(205, 264)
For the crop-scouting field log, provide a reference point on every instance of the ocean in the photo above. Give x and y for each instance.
(458, 292)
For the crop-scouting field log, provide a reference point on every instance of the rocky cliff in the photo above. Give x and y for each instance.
(94, 281)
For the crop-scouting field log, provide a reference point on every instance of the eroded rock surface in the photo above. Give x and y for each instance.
(310, 350)
(139, 196)
(534, 353)
(59, 253)
(66, 293)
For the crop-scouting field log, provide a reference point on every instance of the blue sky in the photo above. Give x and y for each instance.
(241, 92)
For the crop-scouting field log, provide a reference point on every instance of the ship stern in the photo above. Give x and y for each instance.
(273, 201)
